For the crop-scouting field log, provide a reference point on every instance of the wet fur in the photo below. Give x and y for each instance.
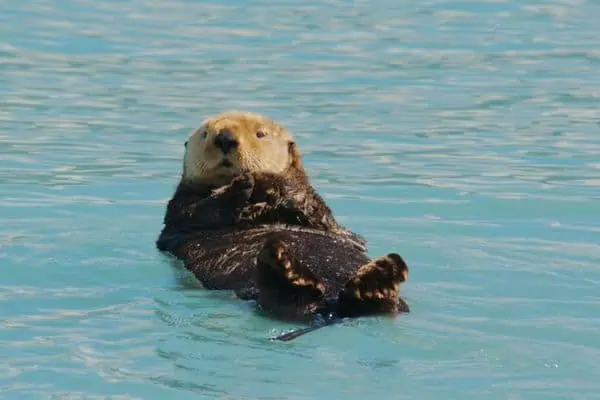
(270, 237)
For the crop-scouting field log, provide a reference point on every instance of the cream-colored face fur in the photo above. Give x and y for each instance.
(262, 146)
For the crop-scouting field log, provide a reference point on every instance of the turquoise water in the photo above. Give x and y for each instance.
(463, 135)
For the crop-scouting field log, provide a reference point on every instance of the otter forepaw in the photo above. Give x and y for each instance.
(253, 212)
(375, 288)
(287, 288)
(235, 193)
(242, 187)
(269, 189)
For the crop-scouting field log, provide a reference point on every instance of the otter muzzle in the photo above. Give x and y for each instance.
(225, 141)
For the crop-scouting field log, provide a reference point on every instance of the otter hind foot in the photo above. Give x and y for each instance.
(287, 289)
(375, 288)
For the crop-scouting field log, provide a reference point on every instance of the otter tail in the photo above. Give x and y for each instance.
(287, 289)
(331, 319)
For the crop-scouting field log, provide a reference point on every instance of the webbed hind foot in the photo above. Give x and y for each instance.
(288, 289)
(375, 288)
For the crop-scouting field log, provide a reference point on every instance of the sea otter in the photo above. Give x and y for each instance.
(245, 217)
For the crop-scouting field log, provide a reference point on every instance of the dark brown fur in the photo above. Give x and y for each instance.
(248, 201)
(272, 238)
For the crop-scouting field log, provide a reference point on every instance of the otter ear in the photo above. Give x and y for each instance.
(295, 156)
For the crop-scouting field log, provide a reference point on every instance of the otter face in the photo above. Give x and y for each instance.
(233, 143)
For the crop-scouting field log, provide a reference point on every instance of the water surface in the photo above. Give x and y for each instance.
(463, 135)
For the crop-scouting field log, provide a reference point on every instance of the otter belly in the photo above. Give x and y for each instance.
(228, 259)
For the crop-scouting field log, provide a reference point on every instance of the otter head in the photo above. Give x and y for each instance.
(234, 143)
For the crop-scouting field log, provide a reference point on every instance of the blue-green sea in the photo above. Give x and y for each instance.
(464, 135)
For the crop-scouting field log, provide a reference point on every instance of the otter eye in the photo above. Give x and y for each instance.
(204, 134)
(261, 134)
(185, 144)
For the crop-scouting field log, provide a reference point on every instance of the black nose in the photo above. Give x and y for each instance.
(225, 141)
